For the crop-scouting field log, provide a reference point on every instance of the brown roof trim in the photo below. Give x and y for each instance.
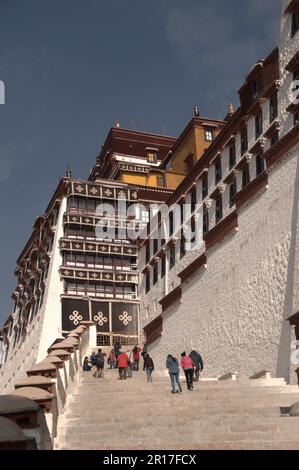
(153, 330)
(293, 108)
(293, 64)
(251, 189)
(150, 194)
(292, 7)
(294, 319)
(243, 162)
(193, 267)
(273, 129)
(230, 177)
(171, 298)
(218, 191)
(258, 146)
(278, 150)
(272, 89)
(221, 230)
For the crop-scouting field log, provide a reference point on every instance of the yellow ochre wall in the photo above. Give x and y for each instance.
(194, 143)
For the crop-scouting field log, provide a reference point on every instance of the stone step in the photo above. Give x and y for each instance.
(183, 438)
(199, 420)
(187, 426)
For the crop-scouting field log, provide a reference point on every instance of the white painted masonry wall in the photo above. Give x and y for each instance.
(45, 327)
(52, 306)
(234, 312)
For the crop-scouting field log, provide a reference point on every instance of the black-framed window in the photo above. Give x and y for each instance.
(295, 23)
(209, 135)
(156, 245)
(219, 209)
(155, 274)
(182, 245)
(273, 107)
(193, 200)
(205, 222)
(163, 266)
(147, 252)
(244, 140)
(245, 176)
(232, 193)
(205, 186)
(260, 164)
(147, 283)
(152, 156)
(218, 170)
(274, 139)
(172, 257)
(258, 124)
(170, 220)
(296, 119)
(232, 155)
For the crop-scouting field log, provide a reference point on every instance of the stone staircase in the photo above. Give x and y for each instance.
(109, 414)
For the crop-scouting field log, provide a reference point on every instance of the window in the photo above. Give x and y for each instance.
(152, 156)
(163, 266)
(232, 156)
(256, 88)
(155, 274)
(244, 141)
(170, 223)
(205, 186)
(209, 135)
(145, 217)
(205, 222)
(193, 200)
(259, 161)
(245, 176)
(273, 107)
(155, 244)
(258, 124)
(182, 245)
(295, 23)
(218, 171)
(296, 119)
(147, 252)
(147, 283)
(172, 257)
(219, 209)
(232, 193)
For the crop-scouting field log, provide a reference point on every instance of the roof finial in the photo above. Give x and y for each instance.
(117, 124)
(196, 111)
(231, 109)
(68, 172)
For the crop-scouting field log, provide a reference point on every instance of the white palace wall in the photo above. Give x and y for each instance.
(234, 312)
(44, 328)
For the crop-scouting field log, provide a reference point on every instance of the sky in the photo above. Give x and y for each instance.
(72, 68)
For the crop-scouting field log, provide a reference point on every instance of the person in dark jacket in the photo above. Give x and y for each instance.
(117, 351)
(198, 363)
(93, 358)
(173, 367)
(100, 361)
(148, 366)
(86, 365)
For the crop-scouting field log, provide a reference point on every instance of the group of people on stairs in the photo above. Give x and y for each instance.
(127, 362)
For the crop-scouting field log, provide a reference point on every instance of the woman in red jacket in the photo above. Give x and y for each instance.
(122, 364)
(136, 357)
